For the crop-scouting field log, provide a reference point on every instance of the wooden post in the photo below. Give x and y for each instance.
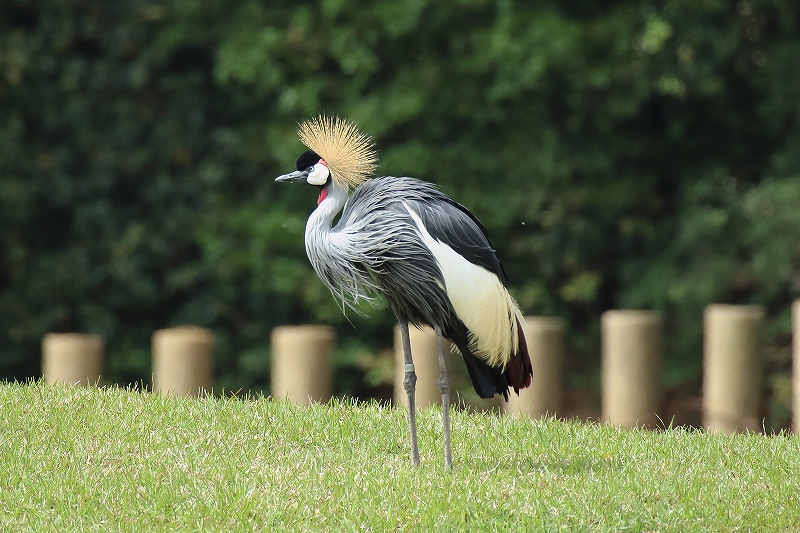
(796, 366)
(183, 361)
(545, 336)
(426, 365)
(631, 366)
(302, 367)
(72, 358)
(733, 374)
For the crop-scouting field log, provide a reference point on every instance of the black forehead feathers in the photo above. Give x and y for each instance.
(307, 159)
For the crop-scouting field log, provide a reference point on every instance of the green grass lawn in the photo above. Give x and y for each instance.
(75, 459)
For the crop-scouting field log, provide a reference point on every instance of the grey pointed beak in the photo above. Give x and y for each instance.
(298, 176)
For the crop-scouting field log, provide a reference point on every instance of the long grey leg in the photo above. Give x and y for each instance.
(410, 383)
(444, 389)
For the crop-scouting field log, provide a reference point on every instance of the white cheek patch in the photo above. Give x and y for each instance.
(319, 175)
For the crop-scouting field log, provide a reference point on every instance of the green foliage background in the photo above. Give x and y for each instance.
(624, 154)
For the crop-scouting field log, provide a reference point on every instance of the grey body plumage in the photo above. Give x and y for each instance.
(375, 248)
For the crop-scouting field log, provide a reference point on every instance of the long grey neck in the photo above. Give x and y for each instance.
(319, 222)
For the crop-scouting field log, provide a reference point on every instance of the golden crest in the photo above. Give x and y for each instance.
(349, 153)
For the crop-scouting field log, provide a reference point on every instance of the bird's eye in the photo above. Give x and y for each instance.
(310, 169)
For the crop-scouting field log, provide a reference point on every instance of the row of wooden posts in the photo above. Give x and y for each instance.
(632, 351)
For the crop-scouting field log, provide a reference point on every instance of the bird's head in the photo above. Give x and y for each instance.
(338, 153)
(311, 169)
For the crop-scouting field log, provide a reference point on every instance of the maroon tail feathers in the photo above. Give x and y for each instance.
(519, 371)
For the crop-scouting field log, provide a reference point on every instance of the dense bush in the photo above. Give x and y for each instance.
(621, 154)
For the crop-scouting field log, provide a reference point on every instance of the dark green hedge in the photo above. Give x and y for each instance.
(621, 154)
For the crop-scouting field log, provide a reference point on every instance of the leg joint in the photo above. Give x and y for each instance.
(444, 382)
(410, 381)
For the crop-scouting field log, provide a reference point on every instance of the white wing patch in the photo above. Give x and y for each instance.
(479, 299)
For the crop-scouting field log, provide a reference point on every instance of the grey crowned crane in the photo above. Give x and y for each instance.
(425, 253)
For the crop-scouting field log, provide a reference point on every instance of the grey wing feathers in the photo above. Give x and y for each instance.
(445, 219)
(379, 251)
(375, 249)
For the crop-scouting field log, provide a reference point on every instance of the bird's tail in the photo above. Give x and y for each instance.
(519, 371)
(489, 380)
